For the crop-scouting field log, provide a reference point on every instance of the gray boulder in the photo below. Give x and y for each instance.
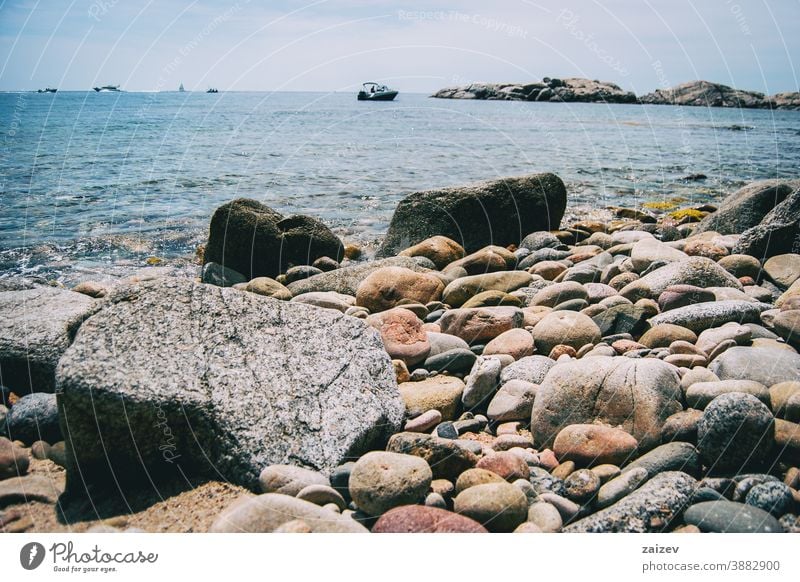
(651, 508)
(765, 365)
(776, 234)
(698, 271)
(36, 326)
(498, 212)
(176, 375)
(34, 417)
(636, 395)
(702, 316)
(746, 207)
(347, 279)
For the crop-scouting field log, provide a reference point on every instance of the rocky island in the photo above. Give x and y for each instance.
(693, 93)
(492, 371)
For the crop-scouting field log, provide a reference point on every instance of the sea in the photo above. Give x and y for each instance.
(103, 184)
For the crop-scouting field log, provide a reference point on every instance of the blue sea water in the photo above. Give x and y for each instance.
(101, 181)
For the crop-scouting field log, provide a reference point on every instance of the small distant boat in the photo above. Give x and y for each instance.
(46, 90)
(108, 89)
(375, 92)
(212, 91)
(181, 89)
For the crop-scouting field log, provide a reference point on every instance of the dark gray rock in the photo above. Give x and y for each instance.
(545, 254)
(706, 94)
(347, 279)
(498, 212)
(746, 207)
(636, 395)
(541, 240)
(455, 360)
(736, 431)
(33, 418)
(255, 240)
(651, 508)
(728, 517)
(301, 272)
(776, 233)
(36, 326)
(765, 365)
(674, 456)
(216, 274)
(701, 316)
(622, 319)
(175, 374)
(773, 497)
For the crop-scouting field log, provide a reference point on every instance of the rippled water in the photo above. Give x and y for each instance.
(103, 181)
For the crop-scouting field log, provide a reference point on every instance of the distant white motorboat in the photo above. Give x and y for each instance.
(375, 92)
(108, 89)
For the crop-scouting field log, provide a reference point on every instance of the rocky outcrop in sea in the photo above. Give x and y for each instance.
(495, 372)
(552, 90)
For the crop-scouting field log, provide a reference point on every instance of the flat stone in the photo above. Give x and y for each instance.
(620, 486)
(380, 481)
(661, 336)
(420, 519)
(709, 339)
(676, 296)
(480, 324)
(387, 287)
(269, 288)
(728, 517)
(700, 394)
(506, 464)
(647, 251)
(268, 512)
(36, 327)
(482, 382)
(34, 487)
(765, 365)
(255, 382)
(460, 290)
(531, 369)
(565, 328)
(457, 360)
(702, 316)
(499, 507)
(651, 508)
(513, 401)
(553, 295)
(442, 393)
(476, 476)
(783, 270)
(674, 456)
(289, 479)
(591, 444)
(326, 300)
(402, 335)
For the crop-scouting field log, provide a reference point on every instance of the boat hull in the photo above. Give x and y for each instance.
(383, 96)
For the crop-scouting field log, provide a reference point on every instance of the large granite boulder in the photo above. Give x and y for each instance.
(176, 375)
(776, 234)
(497, 212)
(636, 395)
(36, 326)
(746, 207)
(255, 240)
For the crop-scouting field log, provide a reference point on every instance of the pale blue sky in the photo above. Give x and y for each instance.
(414, 45)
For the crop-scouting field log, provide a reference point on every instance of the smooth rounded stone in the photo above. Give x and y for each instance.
(513, 401)
(765, 365)
(572, 305)
(735, 431)
(700, 394)
(741, 265)
(289, 479)
(621, 486)
(697, 271)
(686, 360)
(591, 444)
(567, 328)
(540, 240)
(792, 477)
(220, 275)
(682, 426)
(425, 519)
(705, 248)
(39, 450)
(649, 250)
(606, 472)
(424, 422)
(559, 293)
(419, 375)
(517, 343)
(562, 350)
(476, 325)
(674, 456)
(482, 381)
(453, 361)
(581, 485)
(325, 299)
(326, 264)
(545, 516)
(268, 288)
(564, 469)
(621, 281)
(340, 479)
(728, 294)
(568, 510)
(488, 259)
(744, 483)
(443, 342)
(787, 440)
(787, 325)
(624, 346)
(322, 495)
(447, 459)
(385, 288)
(597, 292)
(493, 298)
(58, 454)
(441, 393)
(511, 442)
(702, 494)
(477, 476)
(783, 270)
(460, 290)
(499, 507)
(622, 318)
(381, 480)
(506, 464)
(446, 430)
(788, 297)
(527, 527)
(402, 335)
(697, 374)
(773, 497)
(439, 249)
(531, 369)
(710, 338)
(548, 270)
(294, 526)
(653, 507)
(663, 335)
(637, 395)
(31, 487)
(702, 316)
(300, 272)
(270, 511)
(34, 417)
(676, 296)
(14, 460)
(724, 516)
(471, 446)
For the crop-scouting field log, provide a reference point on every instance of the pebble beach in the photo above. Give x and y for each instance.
(493, 367)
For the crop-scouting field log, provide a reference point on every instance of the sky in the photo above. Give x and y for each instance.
(414, 46)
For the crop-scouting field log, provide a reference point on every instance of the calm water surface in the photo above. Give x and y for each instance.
(102, 181)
